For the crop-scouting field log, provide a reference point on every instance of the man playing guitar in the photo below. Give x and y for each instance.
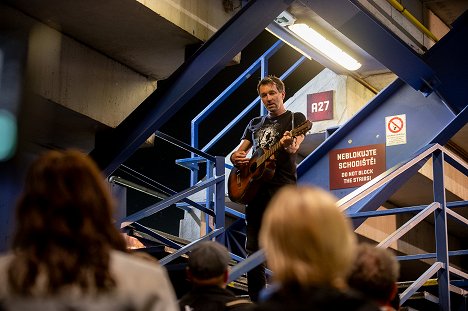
(260, 134)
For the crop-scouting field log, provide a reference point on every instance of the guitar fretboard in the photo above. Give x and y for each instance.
(301, 129)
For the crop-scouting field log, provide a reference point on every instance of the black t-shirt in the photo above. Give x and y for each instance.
(264, 132)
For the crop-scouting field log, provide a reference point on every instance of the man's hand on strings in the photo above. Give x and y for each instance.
(289, 143)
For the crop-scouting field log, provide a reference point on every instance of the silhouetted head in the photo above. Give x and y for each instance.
(64, 224)
(307, 239)
(375, 273)
(208, 263)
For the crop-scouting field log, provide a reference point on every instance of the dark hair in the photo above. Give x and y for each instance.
(208, 260)
(64, 228)
(271, 80)
(375, 272)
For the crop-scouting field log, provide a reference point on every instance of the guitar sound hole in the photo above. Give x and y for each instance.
(253, 167)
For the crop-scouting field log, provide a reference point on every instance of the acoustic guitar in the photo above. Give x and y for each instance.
(244, 181)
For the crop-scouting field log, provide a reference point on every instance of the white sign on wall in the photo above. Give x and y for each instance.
(395, 130)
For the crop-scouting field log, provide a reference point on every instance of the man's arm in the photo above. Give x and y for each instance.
(239, 156)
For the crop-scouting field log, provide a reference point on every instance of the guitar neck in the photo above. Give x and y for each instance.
(301, 129)
(268, 153)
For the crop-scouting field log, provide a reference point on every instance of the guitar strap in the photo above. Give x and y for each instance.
(263, 120)
(292, 121)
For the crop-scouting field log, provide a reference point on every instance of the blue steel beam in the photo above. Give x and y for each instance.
(154, 184)
(392, 100)
(454, 126)
(257, 100)
(448, 58)
(248, 264)
(185, 82)
(187, 248)
(169, 201)
(410, 224)
(440, 223)
(431, 255)
(219, 193)
(229, 90)
(240, 247)
(392, 211)
(185, 146)
(410, 209)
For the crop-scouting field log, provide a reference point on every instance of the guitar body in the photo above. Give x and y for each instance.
(245, 181)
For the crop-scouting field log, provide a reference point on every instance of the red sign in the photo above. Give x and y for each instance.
(320, 106)
(353, 167)
(395, 124)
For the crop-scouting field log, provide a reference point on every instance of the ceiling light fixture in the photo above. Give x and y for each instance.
(324, 46)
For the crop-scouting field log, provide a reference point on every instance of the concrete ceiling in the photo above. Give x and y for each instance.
(124, 30)
(132, 34)
(446, 10)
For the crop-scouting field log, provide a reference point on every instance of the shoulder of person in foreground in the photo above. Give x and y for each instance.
(239, 304)
(315, 299)
(144, 281)
(5, 260)
(207, 305)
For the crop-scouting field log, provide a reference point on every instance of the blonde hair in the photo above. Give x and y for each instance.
(307, 240)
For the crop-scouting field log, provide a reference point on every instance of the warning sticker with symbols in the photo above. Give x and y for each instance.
(395, 130)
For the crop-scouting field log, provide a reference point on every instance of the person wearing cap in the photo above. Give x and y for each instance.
(207, 269)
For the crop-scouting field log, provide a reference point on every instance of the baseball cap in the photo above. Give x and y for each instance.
(208, 259)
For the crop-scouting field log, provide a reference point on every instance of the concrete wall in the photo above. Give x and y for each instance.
(403, 27)
(76, 76)
(201, 18)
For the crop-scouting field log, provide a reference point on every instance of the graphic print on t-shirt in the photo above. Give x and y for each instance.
(267, 136)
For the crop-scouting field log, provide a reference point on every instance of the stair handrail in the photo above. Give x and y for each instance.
(259, 63)
(439, 207)
(262, 63)
(215, 182)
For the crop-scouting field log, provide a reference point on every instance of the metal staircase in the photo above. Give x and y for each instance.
(433, 102)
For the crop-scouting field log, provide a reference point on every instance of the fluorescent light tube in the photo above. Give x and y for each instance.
(325, 47)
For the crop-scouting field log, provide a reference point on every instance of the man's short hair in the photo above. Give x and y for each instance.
(375, 272)
(271, 80)
(207, 260)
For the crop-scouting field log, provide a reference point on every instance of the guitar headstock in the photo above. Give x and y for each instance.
(303, 128)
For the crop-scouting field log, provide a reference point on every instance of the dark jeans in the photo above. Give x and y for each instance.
(253, 215)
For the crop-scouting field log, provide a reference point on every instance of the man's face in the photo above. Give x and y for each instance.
(272, 98)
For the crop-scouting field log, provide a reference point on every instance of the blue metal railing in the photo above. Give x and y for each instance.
(262, 64)
(440, 208)
(214, 182)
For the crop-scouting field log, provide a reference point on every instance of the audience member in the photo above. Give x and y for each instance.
(207, 269)
(67, 253)
(375, 274)
(310, 247)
